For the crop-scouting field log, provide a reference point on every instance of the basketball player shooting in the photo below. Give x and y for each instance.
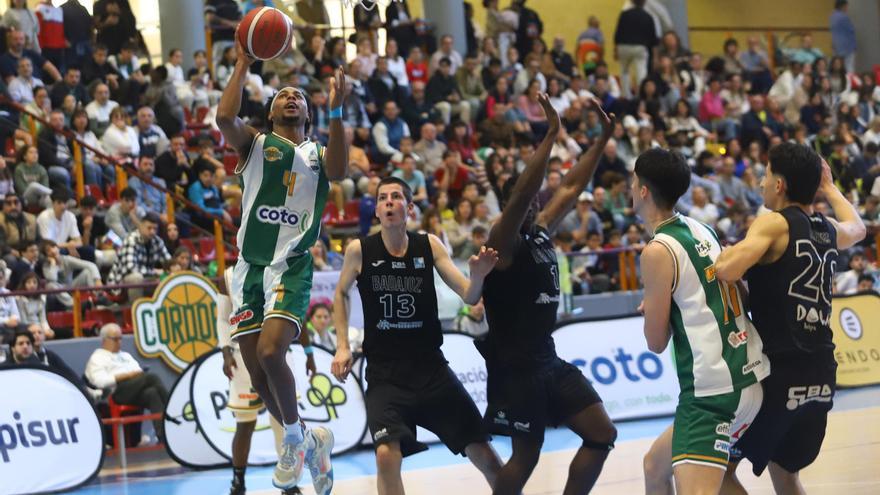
(529, 386)
(410, 382)
(285, 180)
(788, 258)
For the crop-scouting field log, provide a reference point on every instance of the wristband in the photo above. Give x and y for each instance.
(336, 113)
(308, 350)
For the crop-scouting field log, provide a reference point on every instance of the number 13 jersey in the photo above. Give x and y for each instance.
(791, 297)
(715, 346)
(399, 300)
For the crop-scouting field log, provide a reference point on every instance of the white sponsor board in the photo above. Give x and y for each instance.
(209, 393)
(632, 381)
(46, 425)
(324, 401)
(183, 440)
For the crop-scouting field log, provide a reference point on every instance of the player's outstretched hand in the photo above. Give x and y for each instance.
(607, 120)
(341, 366)
(241, 52)
(483, 262)
(338, 89)
(550, 112)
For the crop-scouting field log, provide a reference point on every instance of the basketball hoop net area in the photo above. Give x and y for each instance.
(367, 4)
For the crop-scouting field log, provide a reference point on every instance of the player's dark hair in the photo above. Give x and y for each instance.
(309, 109)
(407, 191)
(665, 173)
(800, 167)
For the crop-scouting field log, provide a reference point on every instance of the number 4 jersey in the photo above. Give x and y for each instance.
(716, 348)
(791, 297)
(399, 300)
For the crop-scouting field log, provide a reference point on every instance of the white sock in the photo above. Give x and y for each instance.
(294, 433)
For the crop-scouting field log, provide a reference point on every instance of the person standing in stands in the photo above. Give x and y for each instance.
(634, 39)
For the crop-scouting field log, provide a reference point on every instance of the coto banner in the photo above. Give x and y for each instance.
(50, 436)
(857, 339)
(179, 323)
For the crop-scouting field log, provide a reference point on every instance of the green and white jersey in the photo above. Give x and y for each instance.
(716, 348)
(284, 189)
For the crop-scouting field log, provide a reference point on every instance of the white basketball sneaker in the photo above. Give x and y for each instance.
(318, 460)
(288, 470)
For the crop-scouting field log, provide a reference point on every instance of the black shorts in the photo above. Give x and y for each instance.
(523, 402)
(439, 403)
(790, 426)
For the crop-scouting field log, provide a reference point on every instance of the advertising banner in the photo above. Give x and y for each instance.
(632, 381)
(179, 323)
(324, 287)
(209, 393)
(324, 401)
(857, 338)
(45, 424)
(183, 439)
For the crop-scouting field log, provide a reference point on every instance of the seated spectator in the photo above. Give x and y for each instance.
(98, 68)
(320, 260)
(120, 140)
(16, 227)
(320, 326)
(16, 50)
(7, 180)
(21, 87)
(397, 65)
(712, 112)
(459, 228)
(10, 321)
(388, 132)
(847, 282)
(36, 111)
(406, 171)
(99, 109)
(56, 154)
(429, 148)
(529, 105)
(443, 92)
(416, 67)
(183, 258)
(151, 138)
(470, 83)
(113, 369)
(173, 166)
(479, 236)
(32, 307)
(458, 138)
(31, 178)
(805, 54)
(81, 128)
(126, 62)
(581, 220)
(62, 270)
(452, 176)
(161, 96)
(204, 194)
(149, 197)
(551, 186)
(91, 226)
(417, 110)
(383, 85)
(27, 261)
(123, 217)
(702, 210)
(756, 66)
(140, 256)
(21, 349)
(447, 51)
(70, 85)
(866, 284)
(733, 190)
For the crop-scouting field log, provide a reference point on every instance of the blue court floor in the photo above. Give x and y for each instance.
(179, 481)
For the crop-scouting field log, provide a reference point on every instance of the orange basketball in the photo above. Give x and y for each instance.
(265, 33)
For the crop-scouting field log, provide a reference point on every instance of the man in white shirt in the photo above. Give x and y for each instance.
(848, 282)
(21, 87)
(99, 109)
(58, 224)
(703, 210)
(446, 50)
(109, 367)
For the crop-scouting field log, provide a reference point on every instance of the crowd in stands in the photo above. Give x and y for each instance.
(455, 125)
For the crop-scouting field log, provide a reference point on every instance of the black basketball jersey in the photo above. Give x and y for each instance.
(791, 297)
(521, 303)
(399, 300)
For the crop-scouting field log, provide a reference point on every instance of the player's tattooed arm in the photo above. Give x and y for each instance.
(351, 267)
(848, 224)
(576, 180)
(237, 133)
(505, 234)
(658, 276)
(336, 156)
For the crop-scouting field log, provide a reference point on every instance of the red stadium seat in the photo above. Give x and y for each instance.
(60, 319)
(117, 411)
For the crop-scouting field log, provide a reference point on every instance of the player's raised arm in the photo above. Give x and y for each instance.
(504, 234)
(849, 225)
(351, 267)
(237, 133)
(469, 289)
(658, 275)
(734, 261)
(336, 156)
(579, 176)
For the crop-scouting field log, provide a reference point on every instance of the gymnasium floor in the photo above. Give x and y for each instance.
(848, 464)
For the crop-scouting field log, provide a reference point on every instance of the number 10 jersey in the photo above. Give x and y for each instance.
(399, 300)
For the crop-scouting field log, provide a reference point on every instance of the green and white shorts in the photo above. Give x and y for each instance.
(260, 292)
(706, 428)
